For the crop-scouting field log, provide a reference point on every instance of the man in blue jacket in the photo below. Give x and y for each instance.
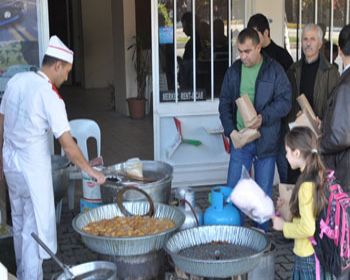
(266, 83)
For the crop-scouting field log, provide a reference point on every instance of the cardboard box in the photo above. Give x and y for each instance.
(243, 137)
(285, 191)
(247, 110)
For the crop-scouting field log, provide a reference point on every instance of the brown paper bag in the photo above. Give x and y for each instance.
(305, 106)
(285, 191)
(247, 110)
(304, 119)
(243, 137)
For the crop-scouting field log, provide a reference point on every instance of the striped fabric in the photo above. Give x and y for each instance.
(304, 269)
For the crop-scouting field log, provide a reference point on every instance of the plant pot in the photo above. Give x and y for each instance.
(136, 107)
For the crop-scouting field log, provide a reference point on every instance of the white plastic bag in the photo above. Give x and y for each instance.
(251, 199)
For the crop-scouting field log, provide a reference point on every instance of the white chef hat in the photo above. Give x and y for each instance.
(59, 50)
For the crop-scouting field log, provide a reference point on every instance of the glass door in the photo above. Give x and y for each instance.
(193, 44)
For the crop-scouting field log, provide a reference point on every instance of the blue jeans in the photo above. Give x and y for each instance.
(264, 170)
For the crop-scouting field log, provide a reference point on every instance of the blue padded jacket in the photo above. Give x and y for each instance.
(272, 100)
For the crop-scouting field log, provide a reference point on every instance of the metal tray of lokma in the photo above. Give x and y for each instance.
(127, 246)
(217, 251)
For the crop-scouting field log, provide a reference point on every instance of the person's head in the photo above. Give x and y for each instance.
(249, 47)
(261, 24)
(57, 62)
(219, 27)
(323, 28)
(186, 21)
(327, 49)
(58, 69)
(204, 31)
(302, 152)
(344, 42)
(311, 41)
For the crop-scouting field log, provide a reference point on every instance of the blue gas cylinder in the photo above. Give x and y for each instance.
(220, 211)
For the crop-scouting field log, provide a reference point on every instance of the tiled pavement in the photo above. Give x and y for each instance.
(123, 138)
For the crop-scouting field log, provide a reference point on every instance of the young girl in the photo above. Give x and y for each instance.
(306, 202)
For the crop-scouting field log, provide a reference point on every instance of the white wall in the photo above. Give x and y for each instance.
(129, 33)
(123, 30)
(98, 44)
(273, 10)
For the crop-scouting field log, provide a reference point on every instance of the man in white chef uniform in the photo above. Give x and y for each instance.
(30, 109)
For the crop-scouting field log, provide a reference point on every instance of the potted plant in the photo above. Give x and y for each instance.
(142, 62)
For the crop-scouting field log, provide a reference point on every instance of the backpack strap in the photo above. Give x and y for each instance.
(330, 199)
(325, 229)
(336, 188)
(330, 175)
(317, 262)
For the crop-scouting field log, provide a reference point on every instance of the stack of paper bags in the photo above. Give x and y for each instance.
(244, 136)
(307, 117)
(249, 116)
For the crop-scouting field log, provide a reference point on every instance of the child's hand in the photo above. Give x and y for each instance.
(278, 223)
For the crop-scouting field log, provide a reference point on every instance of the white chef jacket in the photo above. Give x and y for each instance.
(31, 107)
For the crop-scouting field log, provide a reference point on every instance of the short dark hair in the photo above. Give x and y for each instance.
(260, 22)
(344, 40)
(248, 33)
(187, 18)
(327, 47)
(49, 60)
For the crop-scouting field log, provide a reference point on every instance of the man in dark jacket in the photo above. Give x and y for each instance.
(260, 23)
(267, 86)
(335, 141)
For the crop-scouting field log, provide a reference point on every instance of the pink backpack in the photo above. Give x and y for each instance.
(332, 235)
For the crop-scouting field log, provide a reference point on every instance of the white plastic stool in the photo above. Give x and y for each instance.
(82, 130)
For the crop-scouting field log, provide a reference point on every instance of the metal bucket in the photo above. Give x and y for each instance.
(265, 267)
(60, 176)
(211, 253)
(7, 251)
(100, 270)
(159, 190)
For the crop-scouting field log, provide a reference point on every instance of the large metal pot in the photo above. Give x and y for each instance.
(60, 176)
(266, 265)
(159, 189)
(97, 270)
(241, 248)
(127, 246)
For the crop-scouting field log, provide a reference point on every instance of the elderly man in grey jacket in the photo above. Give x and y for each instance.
(312, 75)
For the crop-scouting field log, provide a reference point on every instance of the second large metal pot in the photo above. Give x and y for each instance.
(60, 176)
(96, 270)
(159, 189)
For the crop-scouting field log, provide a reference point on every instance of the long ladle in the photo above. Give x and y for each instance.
(64, 267)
